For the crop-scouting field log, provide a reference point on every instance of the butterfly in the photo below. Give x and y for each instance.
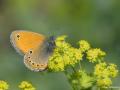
(36, 48)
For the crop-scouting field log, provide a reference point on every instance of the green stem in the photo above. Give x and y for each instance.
(80, 65)
(98, 88)
(73, 69)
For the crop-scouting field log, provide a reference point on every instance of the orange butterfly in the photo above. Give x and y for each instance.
(35, 47)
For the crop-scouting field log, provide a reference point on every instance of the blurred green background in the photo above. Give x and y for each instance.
(97, 21)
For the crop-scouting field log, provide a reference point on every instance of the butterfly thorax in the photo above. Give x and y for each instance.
(49, 45)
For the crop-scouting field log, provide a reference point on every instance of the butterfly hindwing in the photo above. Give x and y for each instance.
(36, 60)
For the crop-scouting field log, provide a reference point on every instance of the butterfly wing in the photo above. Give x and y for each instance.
(37, 60)
(23, 41)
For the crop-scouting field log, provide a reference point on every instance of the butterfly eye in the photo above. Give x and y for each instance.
(32, 63)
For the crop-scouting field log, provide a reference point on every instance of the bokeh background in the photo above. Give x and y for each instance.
(97, 21)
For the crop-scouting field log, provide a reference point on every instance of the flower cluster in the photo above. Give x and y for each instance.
(23, 86)
(93, 55)
(3, 85)
(81, 80)
(64, 55)
(104, 72)
(84, 45)
(26, 86)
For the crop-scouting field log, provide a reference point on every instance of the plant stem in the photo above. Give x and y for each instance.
(80, 65)
(73, 69)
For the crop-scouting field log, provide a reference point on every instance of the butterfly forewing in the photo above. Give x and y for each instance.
(23, 41)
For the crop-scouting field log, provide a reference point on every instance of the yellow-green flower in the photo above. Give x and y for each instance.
(56, 63)
(73, 55)
(112, 70)
(86, 81)
(105, 70)
(93, 55)
(61, 38)
(81, 80)
(26, 86)
(3, 85)
(60, 42)
(64, 55)
(84, 45)
(104, 83)
(101, 70)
